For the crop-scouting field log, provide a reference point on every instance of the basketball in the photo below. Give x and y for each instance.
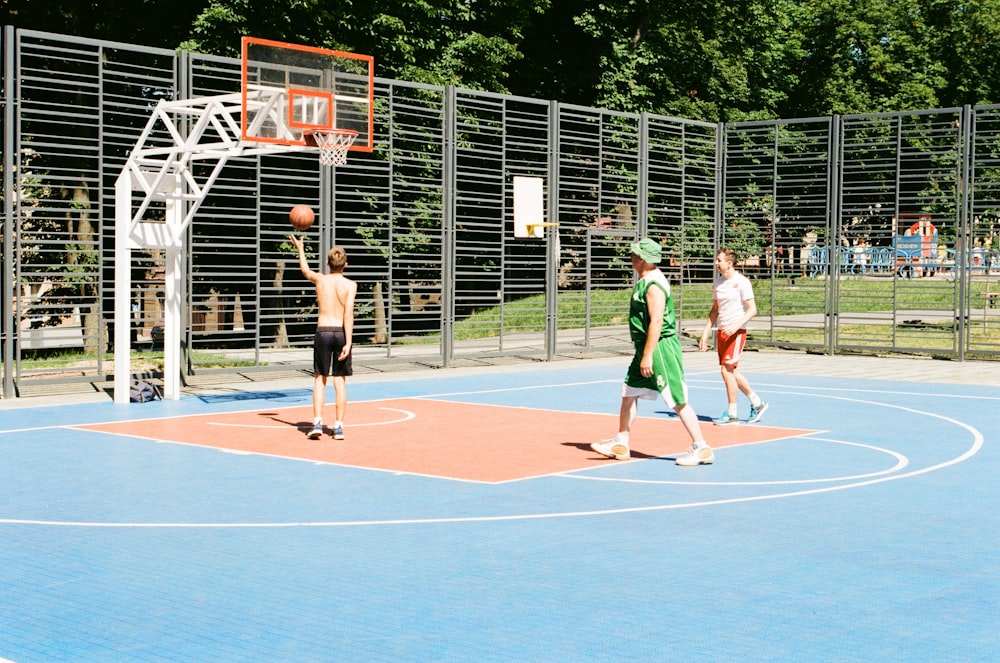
(302, 217)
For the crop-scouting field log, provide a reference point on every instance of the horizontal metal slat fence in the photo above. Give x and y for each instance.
(976, 262)
(235, 240)
(777, 208)
(681, 206)
(132, 83)
(820, 210)
(598, 181)
(900, 175)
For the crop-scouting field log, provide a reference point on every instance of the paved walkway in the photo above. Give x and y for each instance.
(904, 369)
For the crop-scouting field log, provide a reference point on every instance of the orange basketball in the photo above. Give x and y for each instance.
(302, 217)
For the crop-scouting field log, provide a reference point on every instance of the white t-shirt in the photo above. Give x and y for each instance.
(731, 296)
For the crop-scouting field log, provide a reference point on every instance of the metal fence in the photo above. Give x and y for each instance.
(879, 231)
(863, 233)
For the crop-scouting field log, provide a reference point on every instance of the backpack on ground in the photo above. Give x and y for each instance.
(141, 392)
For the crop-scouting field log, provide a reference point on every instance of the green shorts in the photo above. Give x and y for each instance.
(667, 380)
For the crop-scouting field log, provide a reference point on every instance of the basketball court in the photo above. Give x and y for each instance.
(465, 518)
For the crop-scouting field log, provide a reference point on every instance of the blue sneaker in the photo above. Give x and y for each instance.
(757, 412)
(725, 419)
(316, 432)
(338, 433)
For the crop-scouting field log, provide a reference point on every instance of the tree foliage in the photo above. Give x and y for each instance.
(146, 22)
(871, 56)
(714, 60)
(445, 42)
(710, 60)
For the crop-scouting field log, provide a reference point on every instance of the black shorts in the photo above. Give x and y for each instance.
(327, 344)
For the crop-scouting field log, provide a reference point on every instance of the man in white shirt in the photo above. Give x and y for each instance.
(733, 307)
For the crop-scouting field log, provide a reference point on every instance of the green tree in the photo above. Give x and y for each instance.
(709, 61)
(470, 43)
(748, 59)
(867, 56)
(561, 61)
(968, 46)
(146, 22)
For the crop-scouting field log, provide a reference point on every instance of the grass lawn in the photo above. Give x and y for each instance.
(805, 296)
(609, 308)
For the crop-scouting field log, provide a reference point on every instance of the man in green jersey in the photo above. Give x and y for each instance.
(656, 370)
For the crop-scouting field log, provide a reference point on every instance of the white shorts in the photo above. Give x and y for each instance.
(650, 394)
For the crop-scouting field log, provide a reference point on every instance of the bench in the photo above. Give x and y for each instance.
(47, 338)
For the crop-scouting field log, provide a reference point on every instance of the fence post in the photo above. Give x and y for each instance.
(965, 129)
(448, 234)
(835, 196)
(552, 238)
(7, 278)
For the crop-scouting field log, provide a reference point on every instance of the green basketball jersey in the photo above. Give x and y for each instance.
(638, 314)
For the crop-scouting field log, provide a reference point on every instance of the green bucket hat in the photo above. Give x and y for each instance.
(648, 250)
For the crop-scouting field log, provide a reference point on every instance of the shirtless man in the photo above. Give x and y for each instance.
(335, 295)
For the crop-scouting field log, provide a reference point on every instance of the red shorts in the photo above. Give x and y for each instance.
(730, 348)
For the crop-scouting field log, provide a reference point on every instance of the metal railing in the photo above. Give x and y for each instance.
(819, 209)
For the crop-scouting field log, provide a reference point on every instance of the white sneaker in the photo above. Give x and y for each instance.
(612, 449)
(702, 455)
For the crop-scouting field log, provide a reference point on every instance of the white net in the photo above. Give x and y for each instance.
(333, 145)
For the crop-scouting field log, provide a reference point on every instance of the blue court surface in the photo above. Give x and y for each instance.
(869, 535)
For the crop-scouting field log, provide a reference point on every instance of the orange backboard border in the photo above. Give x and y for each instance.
(358, 146)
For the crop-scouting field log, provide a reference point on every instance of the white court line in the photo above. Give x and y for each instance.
(407, 415)
(712, 379)
(307, 401)
(977, 444)
(797, 391)
(853, 390)
(901, 462)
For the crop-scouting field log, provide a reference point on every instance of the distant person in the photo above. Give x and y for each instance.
(335, 295)
(656, 371)
(733, 306)
(861, 255)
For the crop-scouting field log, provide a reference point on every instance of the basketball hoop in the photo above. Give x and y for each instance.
(333, 145)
